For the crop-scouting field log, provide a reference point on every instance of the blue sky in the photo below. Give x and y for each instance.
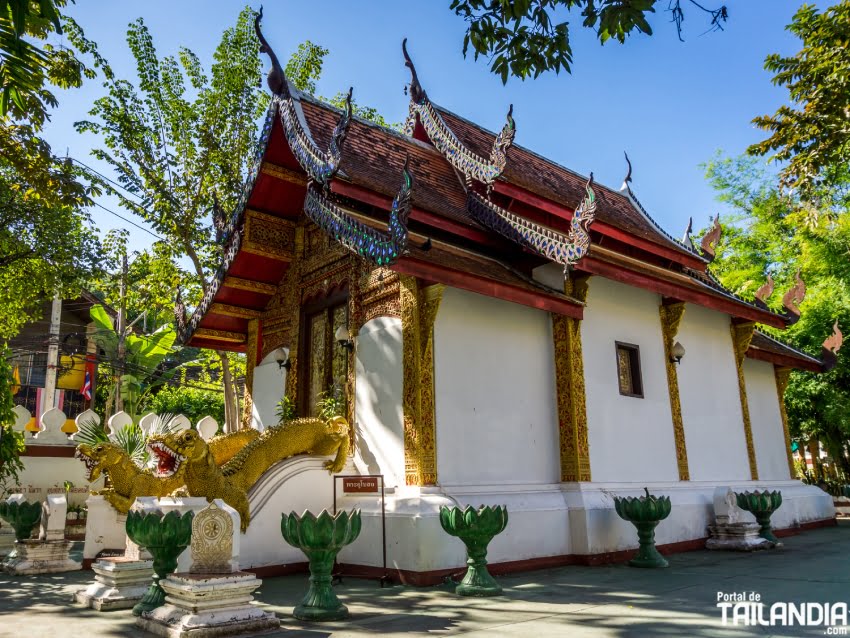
(671, 105)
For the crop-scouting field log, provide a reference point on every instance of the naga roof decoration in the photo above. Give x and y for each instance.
(380, 248)
(792, 299)
(565, 249)
(319, 165)
(831, 345)
(686, 238)
(708, 245)
(765, 291)
(447, 143)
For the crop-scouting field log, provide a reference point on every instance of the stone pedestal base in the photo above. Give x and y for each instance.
(741, 537)
(201, 605)
(119, 583)
(41, 557)
(7, 541)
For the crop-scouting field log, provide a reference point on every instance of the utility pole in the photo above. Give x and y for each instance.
(122, 348)
(52, 354)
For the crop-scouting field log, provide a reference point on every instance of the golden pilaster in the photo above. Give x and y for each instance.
(418, 312)
(569, 376)
(671, 317)
(742, 335)
(782, 376)
(251, 347)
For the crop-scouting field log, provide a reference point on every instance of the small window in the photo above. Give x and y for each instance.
(628, 370)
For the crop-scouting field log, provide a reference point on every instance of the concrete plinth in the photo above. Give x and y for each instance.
(7, 541)
(119, 583)
(41, 557)
(200, 605)
(740, 537)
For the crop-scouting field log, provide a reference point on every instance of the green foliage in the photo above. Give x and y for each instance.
(523, 39)
(777, 234)
(330, 404)
(143, 356)
(811, 135)
(129, 438)
(46, 241)
(195, 403)
(285, 410)
(44, 247)
(12, 443)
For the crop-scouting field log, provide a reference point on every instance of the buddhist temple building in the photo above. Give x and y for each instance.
(499, 330)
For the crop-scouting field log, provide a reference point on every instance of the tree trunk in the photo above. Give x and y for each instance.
(231, 407)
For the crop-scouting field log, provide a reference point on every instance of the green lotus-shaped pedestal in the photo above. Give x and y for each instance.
(762, 505)
(476, 528)
(23, 517)
(644, 512)
(165, 537)
(320, 538)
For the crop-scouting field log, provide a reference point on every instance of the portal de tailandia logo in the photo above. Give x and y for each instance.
(747, 609)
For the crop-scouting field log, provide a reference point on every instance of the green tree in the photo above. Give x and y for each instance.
(775, 233)
(811, 135)
(195, 403)
(44, 248)
(522, 38)
(46, 242)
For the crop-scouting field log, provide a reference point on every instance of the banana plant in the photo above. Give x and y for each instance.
(144, 355)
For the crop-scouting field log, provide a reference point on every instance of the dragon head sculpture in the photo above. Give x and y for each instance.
(171, 451)
(100, 457)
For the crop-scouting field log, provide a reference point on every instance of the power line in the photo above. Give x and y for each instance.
(150, 232)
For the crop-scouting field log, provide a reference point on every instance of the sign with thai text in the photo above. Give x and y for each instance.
(360, 485)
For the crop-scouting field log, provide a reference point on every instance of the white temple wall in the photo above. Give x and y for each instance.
(711, 403)
(494, 386)
(630, 439)
(268, 389)
(378, 417)
(766, 421)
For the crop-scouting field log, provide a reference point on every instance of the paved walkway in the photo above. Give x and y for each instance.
(579, 602)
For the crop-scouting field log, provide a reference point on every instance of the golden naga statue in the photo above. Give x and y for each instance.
(128, 481)
(187, 453)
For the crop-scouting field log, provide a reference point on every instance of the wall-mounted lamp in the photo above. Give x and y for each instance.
(677, 353)
(283, 362)
(342, 337)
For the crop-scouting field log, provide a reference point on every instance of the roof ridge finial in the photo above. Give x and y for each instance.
(792, 299)
(276, 78)
(686, 238)
(831, 345)
(765, 291)
(628, 178)
(417, 93)
(709, 242)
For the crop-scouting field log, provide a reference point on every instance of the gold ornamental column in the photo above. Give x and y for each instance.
(742, 335)
(782, 376)
(569, 377)
(419, 308)
(671, 317)
(251, 349)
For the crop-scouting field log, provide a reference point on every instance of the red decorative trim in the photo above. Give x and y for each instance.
(782, 360)
(551, 207)
(803, 527)
(727, 306)
(487, 287)
(51, 451)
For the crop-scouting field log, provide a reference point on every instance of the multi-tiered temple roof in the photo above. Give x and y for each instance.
(450, 202)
